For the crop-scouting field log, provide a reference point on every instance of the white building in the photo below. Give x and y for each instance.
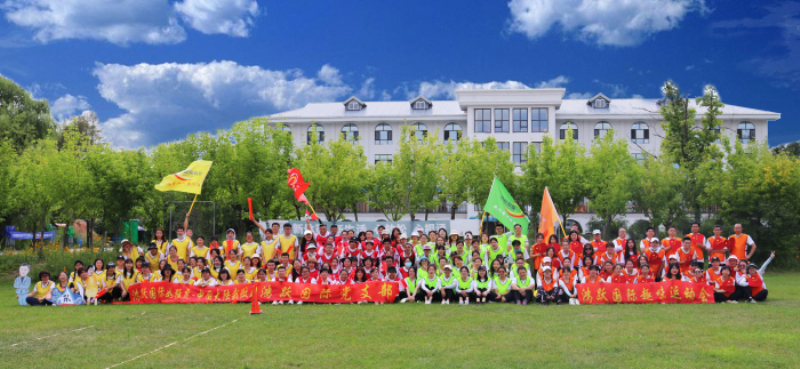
(517, 119)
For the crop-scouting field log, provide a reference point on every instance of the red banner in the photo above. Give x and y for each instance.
(669, 292)
(173, 293)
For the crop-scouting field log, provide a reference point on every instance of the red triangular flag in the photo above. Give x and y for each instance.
(313, 216)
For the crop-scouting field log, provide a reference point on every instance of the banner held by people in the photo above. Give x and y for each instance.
(667, 292)
(502, 206)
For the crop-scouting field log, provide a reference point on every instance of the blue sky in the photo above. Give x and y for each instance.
(157, 70)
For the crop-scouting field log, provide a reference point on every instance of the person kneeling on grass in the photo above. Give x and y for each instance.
(42, 291)
(523, 286)
(548, 288)
(448, 284)
(430, 284)
(501, 287)
(483, 285)
(567, 284)
(725, 287)
(409, 291)
(465, 286)
(757, 289)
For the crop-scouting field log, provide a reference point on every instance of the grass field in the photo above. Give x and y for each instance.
(435, 336)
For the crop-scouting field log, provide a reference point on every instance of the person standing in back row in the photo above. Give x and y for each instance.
(741, 244)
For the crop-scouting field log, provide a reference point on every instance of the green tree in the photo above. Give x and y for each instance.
(34, 177)
(610, 170)
(7, 180)
(458, 164)
(23, 120)
(560, 167)
(417, 164)
(655, 191)
(496, 163)
(791, 149)
(386, 193)
(338, 176)
(688, 144)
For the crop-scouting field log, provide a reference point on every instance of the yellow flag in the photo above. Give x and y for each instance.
(189, 180)
(548, 216)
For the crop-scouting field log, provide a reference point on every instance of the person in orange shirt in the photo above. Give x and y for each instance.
(651, 238)
(687, 255)
(608, 270)
(566, 253)
(622, 238)
(655, 259)
(740, 242)
(694, 274)
(698, 243)
(619, 275)
(725, 287)
(644, 275)
(594, 275)
(717, 245)
(603, 256)
(538, 250)
(628, 253)
(756, 288)
(630, 271)
(575, 243)
(597, 243)
(672, 243)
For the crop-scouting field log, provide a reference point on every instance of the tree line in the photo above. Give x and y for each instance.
(71, 174)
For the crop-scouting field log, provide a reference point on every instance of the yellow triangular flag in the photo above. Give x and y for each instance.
(189, 180)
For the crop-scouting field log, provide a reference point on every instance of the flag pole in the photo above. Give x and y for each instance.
(482, 217)
(190, 208)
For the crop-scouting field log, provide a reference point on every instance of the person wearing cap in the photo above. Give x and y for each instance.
(655, 257)
(501, 287)
(548, 288)
(426, 254)
(430, 285)
(168, 274)
(310, 253)
(741, 244)
(111, 284)
(147, 274)
(717, 245)
(733, 264)
(128, 250)
(756, 289)
(452, 239)
(547, 261)
(598, 244)
(447, 283)
(523, 285)
(518, 236)
(501, 236)
(713, 271)
(153, 256)
(287, 242)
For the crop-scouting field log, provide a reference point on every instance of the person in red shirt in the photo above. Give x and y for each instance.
(725, 287)
(575, 244)
(717, 245)
(756, 289)
(644, 275)
(630, 271)
(655, 259)
(608, 270)
(629, 252)
(538, 250)
(698, 242)
(594, 275)
(671, 243)
(597, 243)
(618, 276)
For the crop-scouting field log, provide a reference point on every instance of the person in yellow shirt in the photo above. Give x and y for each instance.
(287, 242)
(129, 276)
(249, 268)
(200, 250)
(181, 243)
(129, 250)
(161, 241)
(230, 243)
(217, 265)
(250, 248)
(241, 277)
(42, 292)
(112, 282)
(153, 256)
(233, 264)
(173, 258)
(147, 275)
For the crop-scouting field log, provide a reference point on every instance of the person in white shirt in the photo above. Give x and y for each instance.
(756, 289)
(619, 242)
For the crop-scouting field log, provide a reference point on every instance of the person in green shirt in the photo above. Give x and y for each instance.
(422, 271)
(518, 236)
(448, 283)
(482, 285)
(501, 236)
(430, 285)
(523, 286)
(501, 287)
(495, 250)
(409, 293)
(465, 286)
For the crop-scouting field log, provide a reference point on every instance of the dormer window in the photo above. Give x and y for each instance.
(354, 104)
(421, 103)
(599, 101)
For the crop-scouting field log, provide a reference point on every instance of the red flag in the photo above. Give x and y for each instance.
(303, 199)
(250, 205)
(297, 183)
(313, 216)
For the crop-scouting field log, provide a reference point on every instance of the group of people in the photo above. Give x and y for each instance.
(441, 266)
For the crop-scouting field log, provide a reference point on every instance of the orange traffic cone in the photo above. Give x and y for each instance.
(255, 308)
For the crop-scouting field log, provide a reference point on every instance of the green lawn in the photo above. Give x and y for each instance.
(435, 336)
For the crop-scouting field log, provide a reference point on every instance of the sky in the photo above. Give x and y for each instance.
(157, 70)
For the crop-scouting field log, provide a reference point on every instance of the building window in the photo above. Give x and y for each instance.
(746, 132)
(640, 133)
(601, 129)
(565, 127)
(503, 146)
(521, 120)
(383, 134)
(420, 130)
(639, 157)
(483, 120)
(452, 133)
(387, 158)
(350, 132)
(315, 130)
(539, 120)
(600, 103)
(354, 105)
(520, 154)
(500, 120)
(420, 105)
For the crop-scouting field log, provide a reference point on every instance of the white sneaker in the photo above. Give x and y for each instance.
(466, 302)
(291, 302)
(444, 302)
(461, 302)
(274, 303)
(403, 301)
(427, 302)
(299, 303)
(733, 302)
(280, 302)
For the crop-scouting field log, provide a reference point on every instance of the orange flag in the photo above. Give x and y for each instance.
(548, 216)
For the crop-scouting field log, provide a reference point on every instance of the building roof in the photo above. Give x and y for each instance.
(450, 109)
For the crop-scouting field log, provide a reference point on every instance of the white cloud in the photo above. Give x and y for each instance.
(119, 22)
(604, 22)
(385, 95)
(612, 89)
(689, 67)
(67, 106)
(367, 90)
(229, 17)
(123, 22)
(168, 101)
(329, 75)
(447, 89)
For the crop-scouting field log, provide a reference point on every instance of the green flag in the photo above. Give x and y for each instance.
(502, 206)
